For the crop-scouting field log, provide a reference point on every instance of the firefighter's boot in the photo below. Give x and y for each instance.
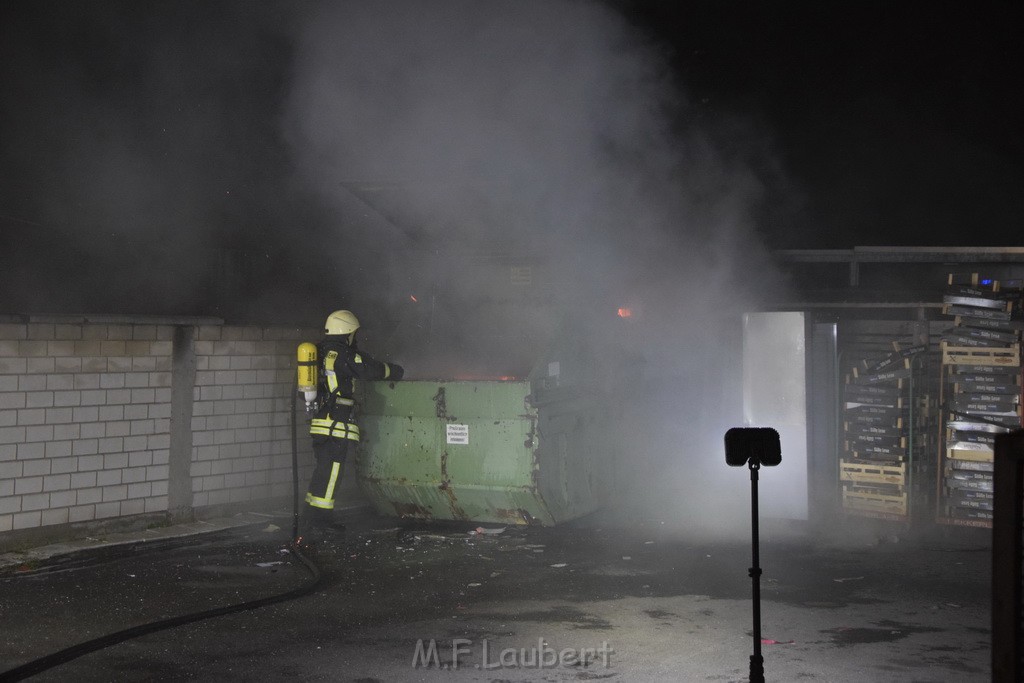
(316, 524)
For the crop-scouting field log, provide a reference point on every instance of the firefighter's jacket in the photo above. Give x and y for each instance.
(339, 366)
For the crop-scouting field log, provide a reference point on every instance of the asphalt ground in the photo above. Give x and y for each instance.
(580, 602)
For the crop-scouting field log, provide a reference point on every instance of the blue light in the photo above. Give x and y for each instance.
(986, 282)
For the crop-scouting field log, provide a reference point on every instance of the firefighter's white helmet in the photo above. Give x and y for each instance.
(341, 322)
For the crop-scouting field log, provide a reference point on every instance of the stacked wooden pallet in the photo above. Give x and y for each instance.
(981, 393)
(986, 312)
(881, 432)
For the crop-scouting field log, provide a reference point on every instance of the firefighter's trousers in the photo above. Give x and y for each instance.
(330, 455)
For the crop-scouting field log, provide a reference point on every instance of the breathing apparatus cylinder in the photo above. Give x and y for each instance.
(306, 379)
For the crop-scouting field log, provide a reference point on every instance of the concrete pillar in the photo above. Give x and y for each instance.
(183, 376)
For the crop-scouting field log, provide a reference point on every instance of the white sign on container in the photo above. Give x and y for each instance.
(458, 434)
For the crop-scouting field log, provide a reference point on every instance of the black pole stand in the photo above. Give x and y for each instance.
(754, 447)
(756, 660)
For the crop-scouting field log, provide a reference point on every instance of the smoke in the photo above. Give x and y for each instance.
(139, 147)
(479, 181)
(551, 132)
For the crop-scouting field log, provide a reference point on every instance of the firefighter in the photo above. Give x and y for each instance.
(333, 428)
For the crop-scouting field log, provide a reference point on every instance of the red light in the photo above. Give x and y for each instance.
(625, 313)
(413, 299)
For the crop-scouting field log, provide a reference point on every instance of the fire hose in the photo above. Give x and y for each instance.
(49, 661)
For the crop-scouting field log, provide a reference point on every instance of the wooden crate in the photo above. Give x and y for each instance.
(873, 473)
(954, 521)
(876, 458)
(875, 502)
(969, 355)
(979, 455)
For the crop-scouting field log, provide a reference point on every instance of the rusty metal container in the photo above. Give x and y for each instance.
(509, 452)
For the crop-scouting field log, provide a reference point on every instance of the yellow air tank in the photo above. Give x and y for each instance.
(307, 371)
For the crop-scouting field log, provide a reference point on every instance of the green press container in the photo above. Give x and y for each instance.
(508, 452)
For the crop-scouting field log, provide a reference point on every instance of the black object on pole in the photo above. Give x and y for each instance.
(754, 447)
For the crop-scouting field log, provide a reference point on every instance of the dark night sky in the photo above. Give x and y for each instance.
(869, 123)
(889, 122)
(897, 123)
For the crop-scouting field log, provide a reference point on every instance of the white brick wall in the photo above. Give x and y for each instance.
(85, 412)
(241, 434)
(79, 405)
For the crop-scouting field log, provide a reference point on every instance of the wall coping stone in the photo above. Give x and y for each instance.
(120, 319)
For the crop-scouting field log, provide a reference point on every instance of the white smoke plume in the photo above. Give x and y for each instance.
(443, 130)
(268, 161)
